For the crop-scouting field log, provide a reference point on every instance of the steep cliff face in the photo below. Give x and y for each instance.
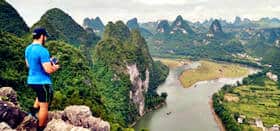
(139, 87)
(124, 71)
(215, 30)
(181, 26)
(95, 24)
(163, 27)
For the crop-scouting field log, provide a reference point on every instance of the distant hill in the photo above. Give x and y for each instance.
(268, 22)
(150, 26)
(95, 24)
(133, 24)
(177, 32)
(181, 26)
(11, 21)
(163, 27)
(126, 75)
(216, 30)
(61, 26)
(269, 35)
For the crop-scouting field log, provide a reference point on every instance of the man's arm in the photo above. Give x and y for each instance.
(49, 68)
(26, 62)
(46, 63)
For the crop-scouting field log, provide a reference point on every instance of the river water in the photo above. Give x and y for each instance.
(186, 109)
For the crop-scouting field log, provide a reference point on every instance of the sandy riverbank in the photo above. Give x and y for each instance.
(211, 70)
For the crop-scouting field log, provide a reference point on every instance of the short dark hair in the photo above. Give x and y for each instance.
(36, 37)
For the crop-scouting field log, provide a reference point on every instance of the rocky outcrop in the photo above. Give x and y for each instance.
(163, 27)
(133, 23)
(216, 30)
(269, 35)
(60, 125)
(95, 24)
(139, 87)
(8, 94)
(17, 119)
(82, 116)
(181, 26)
(5, 127)
(74, 118)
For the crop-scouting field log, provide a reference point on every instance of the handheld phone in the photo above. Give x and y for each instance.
(54, 60)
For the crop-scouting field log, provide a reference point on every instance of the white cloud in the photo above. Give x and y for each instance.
(149, 10)
(169, 2)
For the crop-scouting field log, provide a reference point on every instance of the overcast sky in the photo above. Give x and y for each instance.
(149, 10)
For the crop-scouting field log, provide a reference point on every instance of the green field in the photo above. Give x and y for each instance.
(171, 63)
(257, 101)
(210, 71)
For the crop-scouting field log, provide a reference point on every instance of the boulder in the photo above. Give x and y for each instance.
(5, 127)
(77, 114)
(29, 123)
(73, 118)
(11, 114)
(9, 93)
(55, 115)
(60, 125)
(82, 116)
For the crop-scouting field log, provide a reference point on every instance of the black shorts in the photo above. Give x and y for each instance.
(44, 92)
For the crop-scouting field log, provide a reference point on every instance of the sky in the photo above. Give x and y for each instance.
(149, 10)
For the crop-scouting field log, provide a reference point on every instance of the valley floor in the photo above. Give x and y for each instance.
(172, 63)
(209, 70)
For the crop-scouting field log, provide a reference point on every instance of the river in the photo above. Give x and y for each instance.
(186, 109)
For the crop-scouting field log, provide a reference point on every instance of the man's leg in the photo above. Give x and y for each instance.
(36, 104)
(42, 116)
(44, 98)
(34, 110)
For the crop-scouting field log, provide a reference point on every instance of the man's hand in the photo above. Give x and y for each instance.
(50, 68)
(56, 67)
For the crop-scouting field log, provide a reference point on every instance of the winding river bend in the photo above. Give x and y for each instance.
(186, 109)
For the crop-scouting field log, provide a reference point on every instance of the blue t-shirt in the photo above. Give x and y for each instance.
(36, 55)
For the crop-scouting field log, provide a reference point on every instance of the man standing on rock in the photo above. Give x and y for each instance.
(40, 67)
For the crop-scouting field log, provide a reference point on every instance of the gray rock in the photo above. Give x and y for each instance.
(60, 125)
(76, 114)
(9, 93)
(55, 115)
(82, 116)
(73, 118)
(139, 87)
(11, 114)
(5, 127)
(29, 123)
